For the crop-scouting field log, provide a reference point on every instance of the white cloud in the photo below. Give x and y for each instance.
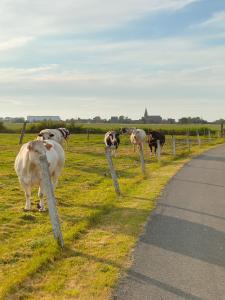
(216, 21)
(132, 64)
(31, 18)
(14, 43)
(10, 101)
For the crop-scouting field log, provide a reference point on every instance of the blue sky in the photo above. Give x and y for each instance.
(93, 57)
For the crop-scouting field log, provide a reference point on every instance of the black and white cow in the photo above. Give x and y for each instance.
(153, 136)
(59, 135)
(112, 140)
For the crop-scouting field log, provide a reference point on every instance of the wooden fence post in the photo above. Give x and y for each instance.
(88, 135)
(188, 144)
(48, 188)
(174, 145)
(209, 136)
(22, 133)
(221, 130)
(142, 160)
(198, 138)
(158, 150)
(112, 171)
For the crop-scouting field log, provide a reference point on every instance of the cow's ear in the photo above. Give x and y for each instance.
(30, 147)
(48, 146)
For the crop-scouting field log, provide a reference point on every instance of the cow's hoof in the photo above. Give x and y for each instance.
(42, 209)
(26, 209)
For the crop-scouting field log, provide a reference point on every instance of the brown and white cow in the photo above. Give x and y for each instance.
(137, 136)
(27, 167)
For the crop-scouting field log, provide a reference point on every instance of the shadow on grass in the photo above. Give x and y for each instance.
(103, 171)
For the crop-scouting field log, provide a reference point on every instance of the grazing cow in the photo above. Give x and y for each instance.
(126, 130)
(137, 136)
(153, 136)
(59, 135)
(112, 140)
(27, 167)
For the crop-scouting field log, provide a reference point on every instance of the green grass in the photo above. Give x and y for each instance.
(99, 229)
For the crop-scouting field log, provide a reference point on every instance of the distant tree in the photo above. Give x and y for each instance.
(18, 120)
(2, 127)
(121, 119)
(97, 119)
(190, 120)
(220, 121)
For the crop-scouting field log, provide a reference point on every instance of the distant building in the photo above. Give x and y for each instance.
(114, 119)
(31, 119)
(171, 121)
(151, 119)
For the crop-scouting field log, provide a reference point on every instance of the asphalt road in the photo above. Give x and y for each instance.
(181, 254)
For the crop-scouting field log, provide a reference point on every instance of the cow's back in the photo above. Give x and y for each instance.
(55, 155)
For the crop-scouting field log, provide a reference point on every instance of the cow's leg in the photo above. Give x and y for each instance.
(54, 182)
(27, 190)
(150, 147)
(162, 145)
(41, 206)
(113, 152)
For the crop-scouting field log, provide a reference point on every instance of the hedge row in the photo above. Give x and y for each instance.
(102, 128)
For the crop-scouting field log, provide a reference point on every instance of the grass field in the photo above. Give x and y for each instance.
(99, 229)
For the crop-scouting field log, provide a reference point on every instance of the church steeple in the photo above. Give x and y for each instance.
(146, 113)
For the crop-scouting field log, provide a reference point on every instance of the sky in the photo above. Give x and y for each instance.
(89, 58)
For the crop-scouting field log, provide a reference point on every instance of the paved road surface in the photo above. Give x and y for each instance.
(182, 253)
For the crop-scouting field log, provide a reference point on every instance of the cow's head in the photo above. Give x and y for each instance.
(36, 149)
(49, 134)
(123, 130)
(46, 134)
(150, 136)
(117, 139)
